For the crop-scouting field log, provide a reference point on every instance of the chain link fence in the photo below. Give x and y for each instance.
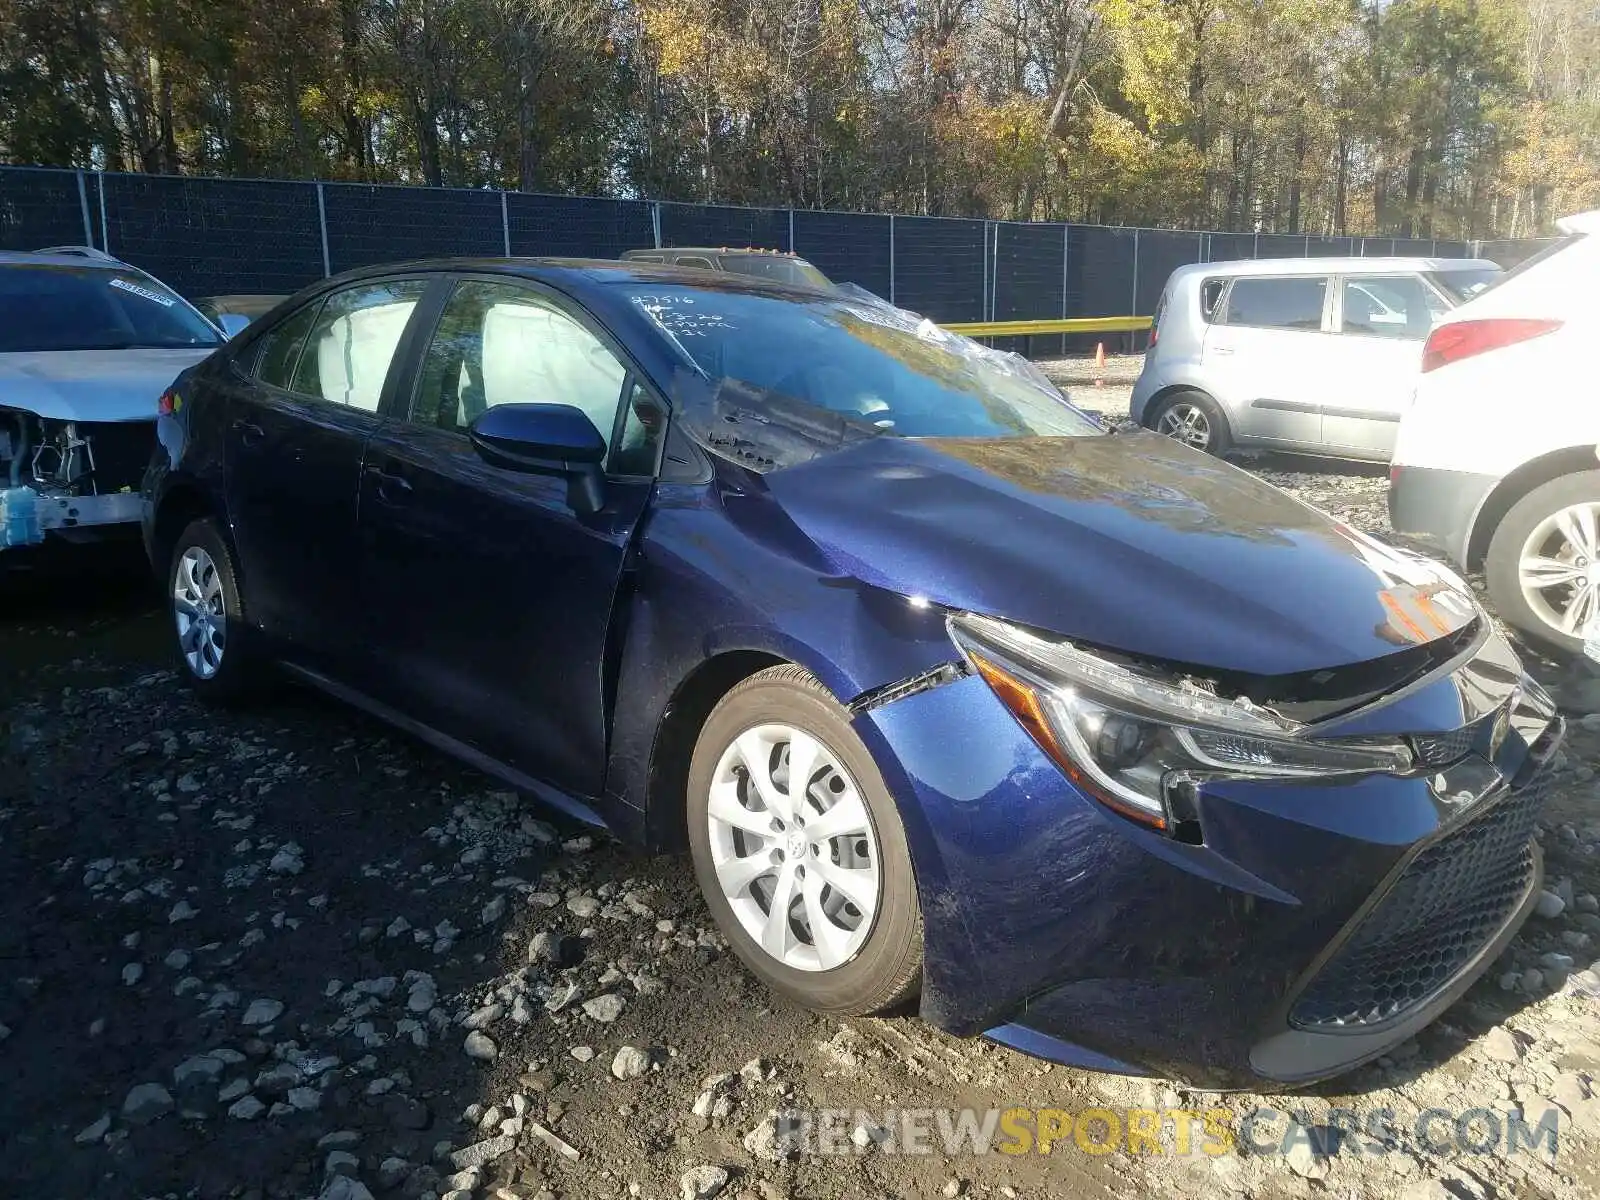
(216, 236)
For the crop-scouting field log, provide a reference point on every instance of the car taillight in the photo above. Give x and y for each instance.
(168, 404)
(1464, 339)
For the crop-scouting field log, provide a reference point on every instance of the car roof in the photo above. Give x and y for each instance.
(1312, 266)
(578, 272)
(714, 250)
(66, 258)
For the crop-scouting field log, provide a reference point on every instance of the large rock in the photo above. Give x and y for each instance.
(630, 1063)
(1500, 1045)
(775, 1139)
(703, 1183)
(344, 1187)
(480, 1153)
(263, 1012)
(197, 1070)
(1305, 1159)
(1427, 1189)
(1549, 905)
(145, 1103)
(605, 1009)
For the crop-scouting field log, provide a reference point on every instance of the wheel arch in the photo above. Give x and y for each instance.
(1159, 399)
(181, 503)
(1536, 472)
(685, 714)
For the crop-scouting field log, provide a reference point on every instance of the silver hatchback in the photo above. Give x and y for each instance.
(1316, 355)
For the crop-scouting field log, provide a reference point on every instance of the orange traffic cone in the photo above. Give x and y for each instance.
(1099, 364)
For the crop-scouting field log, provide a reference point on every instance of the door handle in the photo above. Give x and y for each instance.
(250, 434)
(392, 487)
(1222, 350)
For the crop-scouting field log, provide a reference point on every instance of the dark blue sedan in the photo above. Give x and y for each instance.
(1089, 743)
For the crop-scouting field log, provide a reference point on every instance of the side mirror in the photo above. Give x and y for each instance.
(232, 324)
(545, 439)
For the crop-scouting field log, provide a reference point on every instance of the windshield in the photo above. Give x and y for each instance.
(832, 371)
(1463, 284)
(56, 307)
(771, 266)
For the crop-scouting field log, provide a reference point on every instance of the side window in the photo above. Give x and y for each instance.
(347, 356)
(642, 426)
(1389, 306)
(1210, 293)
(500, 343)
(649, 258)
(693, 261)
(1273, 302)
(278, 353)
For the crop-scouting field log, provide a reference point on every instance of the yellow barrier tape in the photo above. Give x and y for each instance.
(1066, 325)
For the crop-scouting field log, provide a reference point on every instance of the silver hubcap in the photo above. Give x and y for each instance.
(1188, 424)
(793, 848)
(1559, 568)
(201, 615)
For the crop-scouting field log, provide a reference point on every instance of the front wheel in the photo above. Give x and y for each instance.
(1193, 418)
(1543, 564)
(799, 849)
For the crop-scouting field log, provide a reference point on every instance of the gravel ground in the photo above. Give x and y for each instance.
(287, 952)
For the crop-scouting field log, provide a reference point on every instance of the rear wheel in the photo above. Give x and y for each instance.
(214, 642)
(1543, 564)
(799, 849)
(1193, 418)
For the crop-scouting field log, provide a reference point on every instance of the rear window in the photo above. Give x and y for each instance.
(785, 270)
(1277, 302)
(1533, 260)
(58, 307)
(1462, 285)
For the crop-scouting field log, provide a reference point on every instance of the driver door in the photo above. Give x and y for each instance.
(492, 597)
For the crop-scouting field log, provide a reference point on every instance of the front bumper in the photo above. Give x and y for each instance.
(1056, 927)
(1438, 505)
(77, 518)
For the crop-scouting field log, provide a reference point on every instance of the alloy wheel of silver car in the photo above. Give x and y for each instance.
(1187, 423)
(793, 847)
(1559, 568)
(200, 612)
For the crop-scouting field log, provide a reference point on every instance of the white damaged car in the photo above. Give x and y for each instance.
(88, 346)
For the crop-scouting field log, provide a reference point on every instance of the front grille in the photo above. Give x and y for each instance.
(1446, 905)
(1442, 749)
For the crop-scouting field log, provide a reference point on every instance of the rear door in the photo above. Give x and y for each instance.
(1382, 322)
(298, 428)
(1265, 353)
(493, 598)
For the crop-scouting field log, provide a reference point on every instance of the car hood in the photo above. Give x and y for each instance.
(92, 385)
(1132, 542)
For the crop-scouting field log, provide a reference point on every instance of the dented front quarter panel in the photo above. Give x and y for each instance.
(722, 569)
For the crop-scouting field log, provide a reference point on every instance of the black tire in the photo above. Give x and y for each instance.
(1500, 566)
(886, 971)
(242, 671)
(1221, 439)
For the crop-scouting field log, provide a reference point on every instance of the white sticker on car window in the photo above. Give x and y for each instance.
(164, 301)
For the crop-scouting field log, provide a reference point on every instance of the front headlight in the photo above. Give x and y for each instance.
(1140, 740)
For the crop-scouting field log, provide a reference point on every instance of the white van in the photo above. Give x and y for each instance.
(1314, 355)
(1496, 457)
